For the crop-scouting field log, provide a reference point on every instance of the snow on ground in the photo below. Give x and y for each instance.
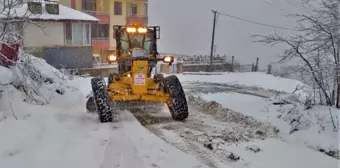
(278, 154)
(61, 134)
(248, 79)
(310, 127)
(307, 137)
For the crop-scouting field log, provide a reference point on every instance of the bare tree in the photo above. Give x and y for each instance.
(316, 46)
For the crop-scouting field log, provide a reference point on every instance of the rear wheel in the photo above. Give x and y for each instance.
(113, 77)
(101, 99)
(90, 105)
(178, 106)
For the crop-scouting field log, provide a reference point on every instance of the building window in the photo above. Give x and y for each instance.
(118, 8)
(89, 5)
(133, 10)
(146, 9)
(100, 31)
(77, 34)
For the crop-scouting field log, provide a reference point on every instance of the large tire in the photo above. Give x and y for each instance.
(101, 99)
(173, 87)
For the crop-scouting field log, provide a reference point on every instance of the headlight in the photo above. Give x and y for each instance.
(112, 58)
(142, 30)
(131, 30)
(168, 59)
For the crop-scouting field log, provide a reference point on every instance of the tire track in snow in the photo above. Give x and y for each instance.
(201, 121)
(120, 152)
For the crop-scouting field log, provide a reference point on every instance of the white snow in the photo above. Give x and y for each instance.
(315, 129)
(62, 134)
(65, 13)
(250, 79)
(6, 75)
(299, 141)
(278, 154)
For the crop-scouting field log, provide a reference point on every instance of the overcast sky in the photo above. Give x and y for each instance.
(186, 26)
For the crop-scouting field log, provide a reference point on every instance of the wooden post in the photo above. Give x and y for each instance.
(257, 65)
(165, 68)
(269, 71)
(232, 64)
(179, 68)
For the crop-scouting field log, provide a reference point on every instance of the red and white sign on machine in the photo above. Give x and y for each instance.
(139, 79)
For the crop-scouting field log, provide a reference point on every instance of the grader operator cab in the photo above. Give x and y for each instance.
(136, 55)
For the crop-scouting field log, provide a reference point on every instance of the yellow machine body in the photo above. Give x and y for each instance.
(136, 85)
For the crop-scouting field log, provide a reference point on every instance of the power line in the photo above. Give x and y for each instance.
(258, 23)
(274, 6)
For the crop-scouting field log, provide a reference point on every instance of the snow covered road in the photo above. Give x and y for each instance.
(232, 123)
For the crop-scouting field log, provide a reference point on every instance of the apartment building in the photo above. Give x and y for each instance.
(109, 13)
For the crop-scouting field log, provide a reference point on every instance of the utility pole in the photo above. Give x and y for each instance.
(212, 40)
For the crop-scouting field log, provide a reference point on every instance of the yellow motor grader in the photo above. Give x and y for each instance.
(136, 55)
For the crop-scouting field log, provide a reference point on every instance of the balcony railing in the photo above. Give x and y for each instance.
(132, 18)
(137, 0)
(100, 38)
(94, 13)
(136, 15)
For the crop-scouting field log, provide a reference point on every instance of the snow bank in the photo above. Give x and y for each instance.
(317, 128)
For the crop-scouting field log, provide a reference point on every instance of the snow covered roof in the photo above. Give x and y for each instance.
(65, 14)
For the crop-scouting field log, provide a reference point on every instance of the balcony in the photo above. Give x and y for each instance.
(139, 19)
(100, 42)
(103, 16)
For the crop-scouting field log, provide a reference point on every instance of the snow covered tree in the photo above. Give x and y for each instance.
(315, 47)
(13, 20)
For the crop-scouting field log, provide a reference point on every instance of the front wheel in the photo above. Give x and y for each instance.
(178, 105)
(101, 99)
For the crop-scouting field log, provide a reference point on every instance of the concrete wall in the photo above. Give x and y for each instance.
(47, 34)
(65, 2)
(69, 57)
(105, 72)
